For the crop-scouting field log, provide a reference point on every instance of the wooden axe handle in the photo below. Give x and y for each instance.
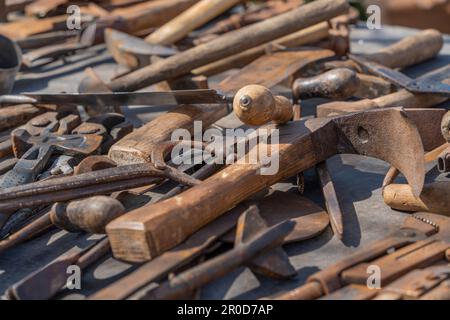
(410, 50)
(231, 43)
(189, 20)
(434, 198)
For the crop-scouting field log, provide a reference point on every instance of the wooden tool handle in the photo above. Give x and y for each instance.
(410, 50)
(90, 215)
(434, 198)
(137, 147)
(189, 20)
(445, 126)
(255, 105)
(339, 83)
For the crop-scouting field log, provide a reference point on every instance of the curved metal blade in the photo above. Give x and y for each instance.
(389, 135)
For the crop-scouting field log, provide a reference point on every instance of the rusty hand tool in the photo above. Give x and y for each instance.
(418, 85)
(421, 241)
(256, 105)
(194, 17)
(302, 144)
(10, 61)
(99, 182)
(35, 151)
(169, 98)
(133, 52)
(226, 45)
(255, 245)
(57, 51)
(54, 275)
(268, 71)
(310, 220)
(444, 157)
(416, 284)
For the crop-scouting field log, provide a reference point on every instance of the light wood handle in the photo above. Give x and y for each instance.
(255, 105)
(445, 126)
(410, 50)
(434, 198)
(189, 20)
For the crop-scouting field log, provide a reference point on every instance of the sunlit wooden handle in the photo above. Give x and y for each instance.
(255, 105)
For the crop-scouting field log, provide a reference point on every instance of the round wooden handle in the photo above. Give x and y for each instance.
(434, 198)
(89, 215)
(445, 126)
(338, 83)
(256, 105)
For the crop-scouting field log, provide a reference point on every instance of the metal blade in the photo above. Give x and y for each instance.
(131, 98)
(429, 84)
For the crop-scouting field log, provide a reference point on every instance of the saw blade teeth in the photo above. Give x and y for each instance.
(427, 221)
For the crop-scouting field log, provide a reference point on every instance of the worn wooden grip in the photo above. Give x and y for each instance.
(338, 83)
(445, 126)
(137, 147)
(434, 198)
(255, 105)
(410, 50)
(90, 215)
(189, 20)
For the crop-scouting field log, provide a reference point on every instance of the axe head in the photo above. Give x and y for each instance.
(389, 135)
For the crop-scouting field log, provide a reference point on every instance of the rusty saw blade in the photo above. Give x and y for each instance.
(431, 83)
(166, 98)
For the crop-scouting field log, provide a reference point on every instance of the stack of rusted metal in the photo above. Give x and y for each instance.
(188, 199)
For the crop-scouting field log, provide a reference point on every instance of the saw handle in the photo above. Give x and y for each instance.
(338, 83)
(410, 50)
(255, 105)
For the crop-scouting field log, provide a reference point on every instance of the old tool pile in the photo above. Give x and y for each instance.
(75, 162)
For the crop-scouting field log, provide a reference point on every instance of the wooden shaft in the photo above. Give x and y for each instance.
(255, 105)
(434, 198)
(445, 126)
(310, 291)
(194, 17)
(410, 50)
(306, 36)
(231, 43)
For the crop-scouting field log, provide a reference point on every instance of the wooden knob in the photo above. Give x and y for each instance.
(338, 83)
(89, 215)
(256, 105)
(445, 126)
